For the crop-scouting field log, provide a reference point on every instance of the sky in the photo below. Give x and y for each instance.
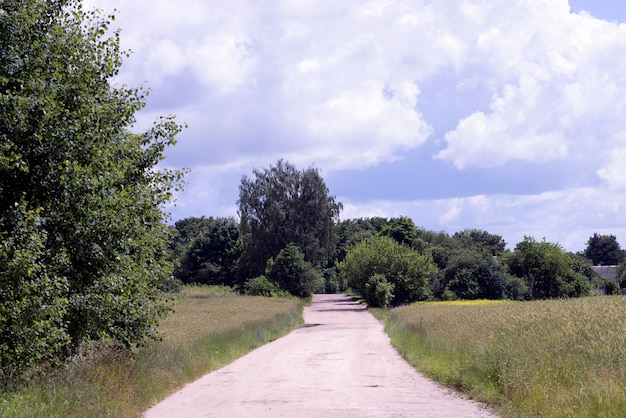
(506, 116)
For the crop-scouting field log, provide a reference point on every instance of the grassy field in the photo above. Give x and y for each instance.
(210, 328)
(556, 358)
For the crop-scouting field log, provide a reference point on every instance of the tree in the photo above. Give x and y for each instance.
(83, 233)
(547, 269)
(476, 238)
(603, 250)
(186, 231)
(402, 230)
(350, 232)
(293, 274)
(282, 205)
(211, 257)
(473, 273)
(407, 271)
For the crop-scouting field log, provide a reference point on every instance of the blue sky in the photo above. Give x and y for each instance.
(499, 115)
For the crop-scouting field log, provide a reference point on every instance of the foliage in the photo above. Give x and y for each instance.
(283, 205)
(476, 238)
(210, 328)
(262, 286)
(293, 274)
(186, 231)
(472, 273)
(621, 275)
(378, 291)
(350, 232)
(551, 358)
(33, 298)
(604, 250)
(81, 221)
(405, 269)
(610, 287)
(547, 270)
(333, 283)
(599, 285)
(211, 257)
(402, 230)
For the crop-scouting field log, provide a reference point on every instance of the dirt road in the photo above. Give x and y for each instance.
(341, 364)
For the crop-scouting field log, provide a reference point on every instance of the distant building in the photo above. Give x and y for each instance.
(606, 272)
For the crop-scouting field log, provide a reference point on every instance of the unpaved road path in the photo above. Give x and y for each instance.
(341, 364)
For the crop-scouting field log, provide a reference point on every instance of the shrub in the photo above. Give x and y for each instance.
(406, 269)
(472, 273)
(293, 274)
(378, 291)
(261, 286)
(611, 287)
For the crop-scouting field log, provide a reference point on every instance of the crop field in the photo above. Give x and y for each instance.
(553, 358)
(210, 328)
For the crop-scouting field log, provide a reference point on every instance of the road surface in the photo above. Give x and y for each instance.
(340, 364)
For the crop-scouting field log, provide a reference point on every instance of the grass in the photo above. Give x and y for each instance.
(211, 327)
(556, 358)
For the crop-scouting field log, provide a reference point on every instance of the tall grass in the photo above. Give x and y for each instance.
(556, 358)
(209, 329)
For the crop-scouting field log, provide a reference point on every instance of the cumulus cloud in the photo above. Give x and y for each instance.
(473, 85)
(558, 89)
(614, 171)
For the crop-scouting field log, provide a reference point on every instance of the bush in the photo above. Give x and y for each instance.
(262, 286)
(378, 291)
(471, 273)
(293, 274)
(611, 287)
(406, 269)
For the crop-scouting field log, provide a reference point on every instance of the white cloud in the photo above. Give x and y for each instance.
(558, 88)
(614, 171)
(360, 127)
(315, 70)
(567, 217)
(351, 84)
(224, 62)
(515, 128)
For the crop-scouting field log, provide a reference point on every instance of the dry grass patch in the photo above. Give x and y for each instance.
(211, 327)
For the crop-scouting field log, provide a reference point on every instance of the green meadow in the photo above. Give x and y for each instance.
(552, 358)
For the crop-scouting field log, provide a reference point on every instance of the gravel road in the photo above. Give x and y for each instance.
(340, 364)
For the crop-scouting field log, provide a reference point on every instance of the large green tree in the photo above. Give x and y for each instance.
(283, 205)
(479, 239)
(547, 269)
(83, 237)
(603, 250)
(186, 230)
(212, 256)
(402, 230)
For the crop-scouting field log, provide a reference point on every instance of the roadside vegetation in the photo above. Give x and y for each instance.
(549, 358)
(210, 328)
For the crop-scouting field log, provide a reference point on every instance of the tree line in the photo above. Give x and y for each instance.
(289, 240)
